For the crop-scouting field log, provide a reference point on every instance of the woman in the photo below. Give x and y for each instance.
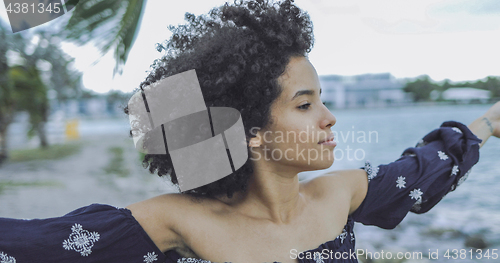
(252, 56)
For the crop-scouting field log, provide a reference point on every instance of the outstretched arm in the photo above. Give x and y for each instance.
(424, 174)
(487, 125)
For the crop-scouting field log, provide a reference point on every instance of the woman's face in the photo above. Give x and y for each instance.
(299, 122)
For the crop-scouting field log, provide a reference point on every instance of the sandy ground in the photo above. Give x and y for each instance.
(61, 186)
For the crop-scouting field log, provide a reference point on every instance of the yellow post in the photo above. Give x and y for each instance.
(72, 130)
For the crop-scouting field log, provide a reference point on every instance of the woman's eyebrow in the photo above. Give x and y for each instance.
(304, 92)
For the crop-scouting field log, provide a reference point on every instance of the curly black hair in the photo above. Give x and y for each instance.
(238, 51)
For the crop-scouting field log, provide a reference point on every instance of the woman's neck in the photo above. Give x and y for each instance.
(270, 195)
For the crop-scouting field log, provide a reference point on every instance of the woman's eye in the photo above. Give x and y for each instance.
(304, 106)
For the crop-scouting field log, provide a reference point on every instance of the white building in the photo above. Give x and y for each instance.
(466, 94)
(367, 90)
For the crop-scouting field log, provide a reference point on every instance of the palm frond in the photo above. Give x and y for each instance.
(110, 24)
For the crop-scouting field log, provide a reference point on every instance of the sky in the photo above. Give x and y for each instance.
(446, 39)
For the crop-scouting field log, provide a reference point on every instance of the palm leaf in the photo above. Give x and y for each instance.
(110, 24)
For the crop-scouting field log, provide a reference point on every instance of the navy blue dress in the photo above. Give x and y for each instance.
(101, 233)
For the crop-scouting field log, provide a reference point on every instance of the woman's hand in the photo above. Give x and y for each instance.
(493, 119)
(488, 124)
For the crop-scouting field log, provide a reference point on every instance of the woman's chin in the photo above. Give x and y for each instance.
(320, 164)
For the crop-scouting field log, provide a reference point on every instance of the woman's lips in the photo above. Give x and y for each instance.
(329, 141)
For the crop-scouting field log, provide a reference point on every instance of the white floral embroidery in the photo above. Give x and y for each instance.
(4, 258)
(352, 237)
(81, 240)
(343, 236)
(454, 170)
(318, 258)
(416, 194)
(150, 257)
(370, 170)
(192, 260)
(442, 155)
(463, 178)
(457, 130)
(400, 183)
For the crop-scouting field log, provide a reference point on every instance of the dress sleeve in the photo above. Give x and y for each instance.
(95, 233)
(420, 178)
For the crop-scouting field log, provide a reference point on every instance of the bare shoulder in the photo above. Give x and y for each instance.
(343, 185)
(164, 218)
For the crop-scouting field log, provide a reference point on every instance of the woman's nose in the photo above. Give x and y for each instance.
(329, 119)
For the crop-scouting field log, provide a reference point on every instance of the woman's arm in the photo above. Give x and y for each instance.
(483, 127)
(488, 124)
(159, 217)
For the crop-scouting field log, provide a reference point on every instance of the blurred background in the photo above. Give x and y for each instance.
(391, 71)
